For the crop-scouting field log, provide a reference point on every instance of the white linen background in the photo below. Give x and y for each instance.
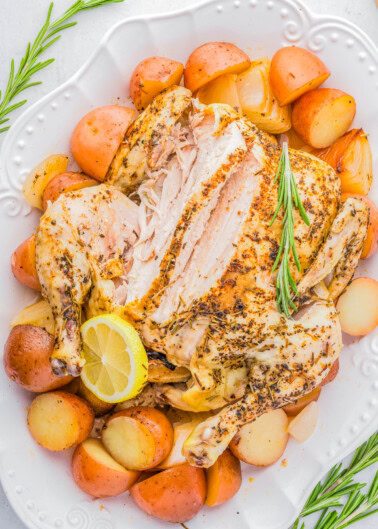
(20, 20)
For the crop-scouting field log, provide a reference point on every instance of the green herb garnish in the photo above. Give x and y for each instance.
(339, 483)
(287, 197)
(29, 64)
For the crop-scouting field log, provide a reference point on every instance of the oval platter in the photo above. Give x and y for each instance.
(39, 484)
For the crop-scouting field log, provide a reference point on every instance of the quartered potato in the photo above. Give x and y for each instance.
(41, 175)
(220, 90)
(39, 314)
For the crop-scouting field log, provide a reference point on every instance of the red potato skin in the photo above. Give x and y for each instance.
(291, 69)
(23, 264)
(175, 495)
(92, 478)
(157, 423)
(306, 108)
(69, 181)
(229, 479)
(332, 374)
(27, 359)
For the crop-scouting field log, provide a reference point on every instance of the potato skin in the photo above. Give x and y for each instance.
(97, 479)
(63, 183)
(294, 71)
(224, 479)
(157, 423)
(296, 407)
(23, 264)
(27, 359)
(151, 76)
(96, 138)
(175, 495)
(332, 374)
(99, 407)
(212, 60)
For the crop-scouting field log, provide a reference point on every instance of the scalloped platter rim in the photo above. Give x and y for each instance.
(37, 483)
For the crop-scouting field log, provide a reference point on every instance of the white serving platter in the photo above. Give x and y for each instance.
(38, 483)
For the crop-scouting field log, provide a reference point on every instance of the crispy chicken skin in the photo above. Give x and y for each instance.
(193, 263)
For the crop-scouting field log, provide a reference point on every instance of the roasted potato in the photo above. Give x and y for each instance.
(39, 313)
(27, 359)
(63, 183)
(321, 116)
(304, 424)
(97, 136)
(358, 307)
(263, 441)
(223, 479)
(296, 407)
(97, 473)
(99, 406)
(59, 420)
(175, 495)
(23, 264)
(151, 77)
(221, 90)
(138, 438)
(212, 60)
(295, 71)
(41, 175)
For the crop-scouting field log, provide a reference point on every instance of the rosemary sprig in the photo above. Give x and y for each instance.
(340, 483)
(287, 197)
(19, 80)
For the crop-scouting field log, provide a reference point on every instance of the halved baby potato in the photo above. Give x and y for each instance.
(23, 264)
(59, 420)
(220, 90)
(27, 359)
(321, 116)
(223, 479)
(97, 473)
(358, 307)
(99, 406)
(175, 495)
(39, 314)
(295, 71)
(263, 441)
(138, 438)
(296, 407)
(152, 76)
(41, 175)
(212, 60)
(304, 424)
(63, 183)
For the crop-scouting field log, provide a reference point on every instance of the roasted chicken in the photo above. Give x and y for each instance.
(188, 261)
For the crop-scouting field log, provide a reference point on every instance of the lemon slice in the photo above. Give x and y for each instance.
(116, 363)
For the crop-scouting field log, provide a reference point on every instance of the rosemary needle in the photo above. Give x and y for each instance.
(288, 197)
(20, 80)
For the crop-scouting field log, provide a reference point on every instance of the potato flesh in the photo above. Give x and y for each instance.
(40, 176)
(358, 307)
(129, 442)
(221, 90)
(331, 122)
(297, 407)
(304, 424)
(53, 422)
(95, 449)
(262, 441)
(39, 314)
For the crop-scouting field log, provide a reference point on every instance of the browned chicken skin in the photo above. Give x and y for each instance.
(197, 281)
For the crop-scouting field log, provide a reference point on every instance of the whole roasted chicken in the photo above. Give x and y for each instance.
(179, 241)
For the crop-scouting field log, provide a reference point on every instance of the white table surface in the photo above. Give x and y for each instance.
(21, 19)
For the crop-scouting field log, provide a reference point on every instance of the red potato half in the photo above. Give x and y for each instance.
(97, 473)
(295, 71)
(321, 116)
(332, 374)
(358, 307)
(263, 441)
(212, 60)
(223, 479)
(27, 359)
(59, 420)
(23, 264)
(304, 424)
(296, 407)
(175, 495)
(371, 241)
(97, 136)
(152, 76)
(138, 438)
(63, 183)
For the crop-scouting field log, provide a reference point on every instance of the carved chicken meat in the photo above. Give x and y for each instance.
(191, 265)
